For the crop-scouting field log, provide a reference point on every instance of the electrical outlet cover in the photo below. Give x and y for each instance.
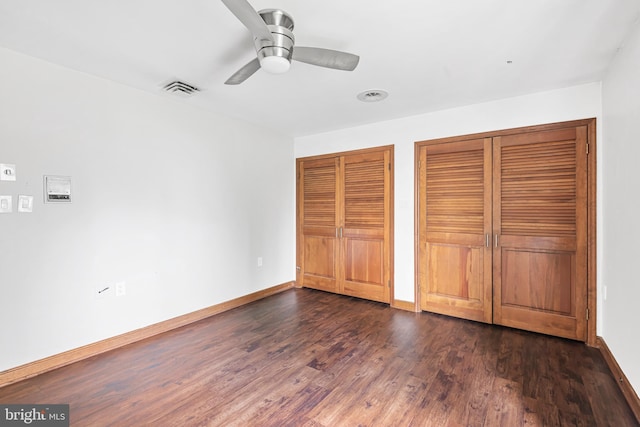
(7, 172)
(25, 203)
(121, 289)
(6, 204)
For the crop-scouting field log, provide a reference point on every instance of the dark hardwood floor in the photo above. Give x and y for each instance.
(309, 358)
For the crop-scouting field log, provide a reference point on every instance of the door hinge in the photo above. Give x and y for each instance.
(587, 148)
(587, 314)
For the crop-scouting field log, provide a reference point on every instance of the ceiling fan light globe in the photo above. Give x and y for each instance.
(275, 64)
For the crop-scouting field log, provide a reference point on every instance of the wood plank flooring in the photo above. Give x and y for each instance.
(309, 358)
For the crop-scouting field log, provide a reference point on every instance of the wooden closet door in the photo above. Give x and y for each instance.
(318, 218)
(454, 254)
(366, 226)
(345, 223)
(540, 226)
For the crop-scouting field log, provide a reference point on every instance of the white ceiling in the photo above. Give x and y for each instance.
(429, 55)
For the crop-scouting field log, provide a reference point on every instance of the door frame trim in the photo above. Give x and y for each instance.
(591, 206)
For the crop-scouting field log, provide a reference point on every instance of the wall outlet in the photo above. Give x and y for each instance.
(121, 289)
(259, 261)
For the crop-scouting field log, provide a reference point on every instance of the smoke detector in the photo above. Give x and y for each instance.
(373, 95)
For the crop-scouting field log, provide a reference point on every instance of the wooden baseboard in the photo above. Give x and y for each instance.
(50, 363)
(404, 305)
(626, 388)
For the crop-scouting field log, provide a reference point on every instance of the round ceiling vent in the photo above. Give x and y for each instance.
(373, 95)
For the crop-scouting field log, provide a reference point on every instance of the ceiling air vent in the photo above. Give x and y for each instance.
(180, 88)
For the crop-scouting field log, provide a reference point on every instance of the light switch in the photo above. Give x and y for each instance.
(7, 172)
(25, 203)
(6, 205)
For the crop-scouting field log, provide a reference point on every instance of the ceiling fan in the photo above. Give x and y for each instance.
(274, 43)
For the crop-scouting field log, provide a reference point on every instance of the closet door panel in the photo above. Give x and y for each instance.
(455, 220)
(319, 256)
(454, 271)
(366, 179)
(540, 232)
(526, 268)
(364, 260)
(317, 224)
(345, 223)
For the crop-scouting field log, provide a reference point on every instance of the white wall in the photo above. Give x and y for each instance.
(173, 200)
(573, 103)
(621, 152)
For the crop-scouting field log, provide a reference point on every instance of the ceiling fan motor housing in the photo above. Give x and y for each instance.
(281, 25)
(272, 30)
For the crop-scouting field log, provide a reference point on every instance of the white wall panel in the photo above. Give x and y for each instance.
(173, 200)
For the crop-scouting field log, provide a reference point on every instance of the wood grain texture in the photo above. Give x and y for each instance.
(537, 184)
(366, 226)
(319, 193)
(455, 219)
(540, 226)
(41, 366)
(538, 188)
(364, 182)
(592, 248)
(405, 305)
(318, 218)
(310, 358)
(345, 223)
(455, 188)
(629, 393)
(588, 241)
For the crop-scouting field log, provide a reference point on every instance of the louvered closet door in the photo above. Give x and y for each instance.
(365, 229)
(345, 223)
(318, 224)
(540, 226)
(455, 220)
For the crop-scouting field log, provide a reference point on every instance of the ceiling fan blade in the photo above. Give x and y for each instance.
(326, 58)
(250, 18)
(244, 73)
